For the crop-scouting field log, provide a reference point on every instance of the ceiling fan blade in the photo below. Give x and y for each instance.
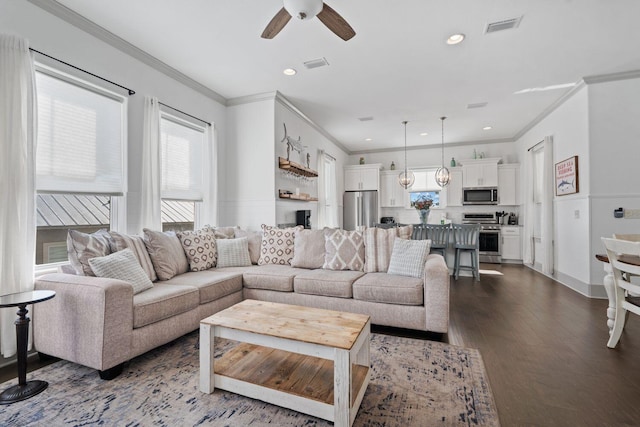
(336, 23)
(277, 23)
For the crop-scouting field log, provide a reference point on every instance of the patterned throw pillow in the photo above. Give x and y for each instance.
(81, 247)
(120, 241)
(200, 248)
(344, 250)
(277, 245)
(122, 265)
(378, 244)
(233, 252)
(408, 257)
(166, 253)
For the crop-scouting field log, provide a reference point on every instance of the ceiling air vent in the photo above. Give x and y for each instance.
(316, 63)
(507, 24)
(477, 105)
(365, 119)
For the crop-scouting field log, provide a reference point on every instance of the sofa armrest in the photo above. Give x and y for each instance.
(89, 322)
(436, 293)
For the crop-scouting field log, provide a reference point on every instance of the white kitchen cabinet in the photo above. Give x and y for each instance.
(511, 244)
(392, 195)
(362, 177)
(508, 184)
(454, 189)
(480, 173)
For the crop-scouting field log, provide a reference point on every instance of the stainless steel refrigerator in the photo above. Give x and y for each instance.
(360, 208)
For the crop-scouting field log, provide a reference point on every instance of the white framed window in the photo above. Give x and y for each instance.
(424, 186)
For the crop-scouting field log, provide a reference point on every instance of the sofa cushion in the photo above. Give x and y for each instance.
(308, 249)
(277, 245)
(166, 253)
(326, 283)
(378, 245)
(271, 277)
(344, 250)
(233, 252)
(199, 247)
(389, 289)
(120, 241)
(162, 302)
(211, 284)
(255, 240)
(408, 257)
(82, 246)
(122, 265)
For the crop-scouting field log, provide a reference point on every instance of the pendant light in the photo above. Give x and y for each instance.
(406, 178)
(442, 174)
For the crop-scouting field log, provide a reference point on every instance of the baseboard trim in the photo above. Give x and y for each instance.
(589, 290)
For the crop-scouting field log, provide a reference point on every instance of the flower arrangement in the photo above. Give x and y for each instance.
(422, 203)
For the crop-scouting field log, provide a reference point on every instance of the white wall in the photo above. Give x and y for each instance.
(64, 41)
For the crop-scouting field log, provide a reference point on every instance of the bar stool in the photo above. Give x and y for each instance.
(439, 235)
(465, 237)
(419, 232)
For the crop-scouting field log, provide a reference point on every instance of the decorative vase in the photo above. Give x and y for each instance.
(453, 162)
(362, 160)
(424, 216)
(393, 166)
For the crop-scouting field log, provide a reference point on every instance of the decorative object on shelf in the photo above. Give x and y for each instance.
(453, 162)
(481, 155)
(475, 155)
(406, 178)
(567, 176)
(423, 205)
(393, 166)
(294, 144)
(308, 160)
(442, 174)
(362, 160)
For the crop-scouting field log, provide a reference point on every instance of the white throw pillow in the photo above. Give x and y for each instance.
(408, 257)
(233, 252)
(122, 265)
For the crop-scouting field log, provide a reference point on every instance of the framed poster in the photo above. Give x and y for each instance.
(567, 176)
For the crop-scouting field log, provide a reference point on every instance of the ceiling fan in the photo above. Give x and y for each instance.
(305, 10)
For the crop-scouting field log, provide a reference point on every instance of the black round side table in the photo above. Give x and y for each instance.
(24, 389)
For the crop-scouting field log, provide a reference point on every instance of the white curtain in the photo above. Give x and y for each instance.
(548, 187)
(209, 209)
(327, 191)
(17, 178)
(529, 209)
(151, 202)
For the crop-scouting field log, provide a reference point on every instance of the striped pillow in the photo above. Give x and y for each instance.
(408, 257)
(378, 244)
(119, 242)
(233, 252)
(122, 265)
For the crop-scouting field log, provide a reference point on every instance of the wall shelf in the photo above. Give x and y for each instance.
(296, 168)
(302, 197)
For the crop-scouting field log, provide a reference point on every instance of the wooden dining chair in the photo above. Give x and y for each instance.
(617, 250)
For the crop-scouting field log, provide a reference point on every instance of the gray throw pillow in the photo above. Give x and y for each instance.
(233, 252)
(255, 241)
(122, 265)
(166, 253)
(344, 250)
(408, 257)
(308, 249)
(82, 246)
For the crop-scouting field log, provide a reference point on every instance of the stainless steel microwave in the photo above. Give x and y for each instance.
(480, 196)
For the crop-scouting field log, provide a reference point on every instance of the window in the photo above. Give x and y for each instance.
(328, 199)
(181, 154)
(433, 195)
(80, 160)
(424, 186)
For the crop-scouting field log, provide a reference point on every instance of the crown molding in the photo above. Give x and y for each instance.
(111, 39)
(435, 146)
(258, 97)
(612, 77)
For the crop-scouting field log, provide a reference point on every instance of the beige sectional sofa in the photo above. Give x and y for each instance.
(100, 323)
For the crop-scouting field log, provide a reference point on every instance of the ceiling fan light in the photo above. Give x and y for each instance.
(303, 9)
(443, 177)
(406, 179)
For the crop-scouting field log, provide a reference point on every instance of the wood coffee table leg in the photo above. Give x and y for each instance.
(207, 384)
(341, 388)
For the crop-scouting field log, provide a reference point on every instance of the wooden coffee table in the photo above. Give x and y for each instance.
(306, 359)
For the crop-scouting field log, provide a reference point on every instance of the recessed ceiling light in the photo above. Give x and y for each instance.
(289, 71)
(368, 139)
(455, 38)
(424, 134)
(487, 128)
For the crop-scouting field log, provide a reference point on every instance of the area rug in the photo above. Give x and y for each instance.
(413, 383)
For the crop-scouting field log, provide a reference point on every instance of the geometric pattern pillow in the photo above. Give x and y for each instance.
(120, 241)
(408, 257)
(200, 248)
(378, 244)
(277, 245)
(233, 252)
(344, 250)
(81, 247)
(122, 265)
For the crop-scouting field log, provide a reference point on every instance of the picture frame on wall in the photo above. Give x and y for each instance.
(567, 177)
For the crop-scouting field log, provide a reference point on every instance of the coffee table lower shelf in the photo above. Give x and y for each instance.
(286, 379)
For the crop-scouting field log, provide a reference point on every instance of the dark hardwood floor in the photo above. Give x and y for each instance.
(544, 347)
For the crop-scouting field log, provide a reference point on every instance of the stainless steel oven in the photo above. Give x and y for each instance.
(489, 238)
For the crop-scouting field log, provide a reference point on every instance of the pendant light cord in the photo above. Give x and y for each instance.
(405, 148)
(442, 121)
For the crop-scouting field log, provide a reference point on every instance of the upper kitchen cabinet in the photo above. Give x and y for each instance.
(508, 184)
(362, 177)
(480, 172)
(392, 195)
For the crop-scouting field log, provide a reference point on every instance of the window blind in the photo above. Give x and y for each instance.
(81, 137)
(181, 152)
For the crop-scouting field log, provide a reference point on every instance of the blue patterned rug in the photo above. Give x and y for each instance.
(413, 383)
